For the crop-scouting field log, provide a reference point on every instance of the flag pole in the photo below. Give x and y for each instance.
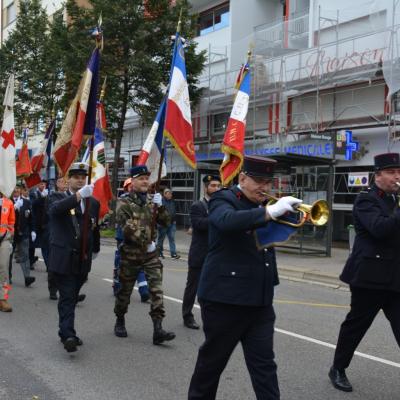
(84, 255)
(162, 155)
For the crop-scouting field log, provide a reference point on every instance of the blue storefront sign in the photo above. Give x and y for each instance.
(323, 150)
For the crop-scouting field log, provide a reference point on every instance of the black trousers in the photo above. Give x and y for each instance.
(365, 305)
(68, 287)
(189, 296)
(224, 327)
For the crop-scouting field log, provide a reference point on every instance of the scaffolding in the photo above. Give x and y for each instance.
(297, 89)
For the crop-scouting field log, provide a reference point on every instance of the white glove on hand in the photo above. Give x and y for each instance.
(157, 199)
(94, 255)
(33, 236)
(44, 193)
(18, 204)
(282, 206)
(86, 191)
(151, 247)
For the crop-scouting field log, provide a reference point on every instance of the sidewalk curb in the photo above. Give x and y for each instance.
(285, 272)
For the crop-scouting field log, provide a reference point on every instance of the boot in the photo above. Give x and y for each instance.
(159, 335)
(119, 328)
(29, 280)
(4, 306)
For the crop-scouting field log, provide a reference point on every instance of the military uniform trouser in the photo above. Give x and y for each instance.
(5, 250)
(128, 273)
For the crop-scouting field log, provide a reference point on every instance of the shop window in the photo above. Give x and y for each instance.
(220, 122)
(214, 19)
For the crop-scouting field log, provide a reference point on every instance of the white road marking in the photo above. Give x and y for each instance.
(302, 337)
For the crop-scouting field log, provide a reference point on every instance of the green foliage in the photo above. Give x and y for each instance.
(33, 51)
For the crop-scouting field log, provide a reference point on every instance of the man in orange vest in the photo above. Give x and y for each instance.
(7, 221)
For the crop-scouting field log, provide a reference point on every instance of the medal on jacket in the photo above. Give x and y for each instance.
(72, 211)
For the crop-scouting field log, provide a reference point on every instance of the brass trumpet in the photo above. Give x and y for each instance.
(318, 212)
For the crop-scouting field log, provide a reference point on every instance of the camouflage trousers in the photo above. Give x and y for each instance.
(128, 273)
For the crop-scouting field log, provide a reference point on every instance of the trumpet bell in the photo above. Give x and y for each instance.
(318, 212)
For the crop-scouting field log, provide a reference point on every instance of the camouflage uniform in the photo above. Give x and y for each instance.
(135, 218)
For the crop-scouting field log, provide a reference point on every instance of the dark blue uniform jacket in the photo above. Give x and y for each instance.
(235, 271)
(375, 260)
(65, 239)
(199, 244)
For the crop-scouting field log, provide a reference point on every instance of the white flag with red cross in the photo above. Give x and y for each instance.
(8, 175)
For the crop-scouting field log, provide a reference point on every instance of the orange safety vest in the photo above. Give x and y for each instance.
(7, 217)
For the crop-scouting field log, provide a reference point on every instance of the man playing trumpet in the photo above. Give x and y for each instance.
(372, 269)
(237, 284)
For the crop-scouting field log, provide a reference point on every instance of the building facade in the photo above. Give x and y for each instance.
(321, 75)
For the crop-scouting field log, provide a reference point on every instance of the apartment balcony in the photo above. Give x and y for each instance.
(282, 37)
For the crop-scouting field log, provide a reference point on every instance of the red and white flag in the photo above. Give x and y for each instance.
(102, 188)
(178, 120)
(233, 143)
(41, 158)
(23, 163)
(8, 176)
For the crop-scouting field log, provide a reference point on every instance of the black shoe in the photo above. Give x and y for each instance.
(176, 256)
(191, 323)
(339, 379)
(70, 344)
(162, 256)
(159, 335)
(119, 328)
(53, 296)
(80, 298)
(77, 340)
(145, 298)
(29, 280)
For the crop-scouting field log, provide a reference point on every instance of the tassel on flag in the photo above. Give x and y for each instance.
(178, 120)
(81, 117)
(150, 154)
(102, 188)
(41, 158)
(23, 163)
(8, 176)
(233, 143)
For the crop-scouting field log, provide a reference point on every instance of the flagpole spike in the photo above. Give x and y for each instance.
(178, 28)
(103, 89)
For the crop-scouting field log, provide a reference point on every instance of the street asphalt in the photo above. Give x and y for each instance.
(34, 363)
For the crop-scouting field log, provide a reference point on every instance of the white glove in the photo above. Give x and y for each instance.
(151, 247)
(157, 199)
(33, 236)
(282, 206)
(94, 255)
(86, 191)
(18, 204)
(44, 192)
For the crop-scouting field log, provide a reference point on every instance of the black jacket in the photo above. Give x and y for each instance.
(199, 244)
(41, 220)
(235, 271)
(66, 239)
(23, 221)
(374, 262)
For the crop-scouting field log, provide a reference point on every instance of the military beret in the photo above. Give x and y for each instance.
(138, 170)
(261, 167)
(78, 168)
(209, 178)
(386, 160)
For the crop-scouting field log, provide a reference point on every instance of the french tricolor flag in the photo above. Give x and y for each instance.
(81, 117)
(233, 143)
(178, 120)
(150, 154)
